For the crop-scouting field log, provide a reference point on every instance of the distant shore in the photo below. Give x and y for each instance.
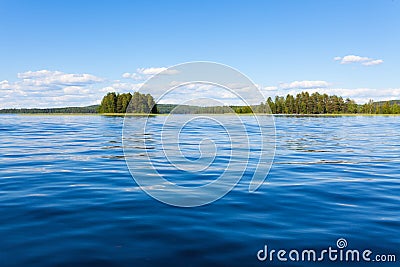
(227, 114)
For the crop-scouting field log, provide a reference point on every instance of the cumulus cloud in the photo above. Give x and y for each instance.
(373, 62)
(201, 94)
(4, 84)
(121, 87)
(366, 61)
(269, 88)
(74, 90)
(45, 88)
(145, 73)
(354, 59)
(46, 77)
(305, 84)
(153, 71)
(134, 76)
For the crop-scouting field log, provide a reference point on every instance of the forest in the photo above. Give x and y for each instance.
(302, 103)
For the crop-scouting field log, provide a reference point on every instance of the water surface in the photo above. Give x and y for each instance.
(67, 197)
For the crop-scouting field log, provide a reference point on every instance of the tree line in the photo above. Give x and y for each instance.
(315, 103)
(68, 110)
(122, 103)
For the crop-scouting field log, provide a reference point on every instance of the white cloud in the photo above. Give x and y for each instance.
(366, 61)
(121, 87)
(134, 76)
(305, 84)
(270, 88)
(373, 62)
(4, 84)
(46, 77)
(75, 90)
(126, 75)
(354, 59)
(201, 94)
(145, 73)
(45, 88)
(153, 71)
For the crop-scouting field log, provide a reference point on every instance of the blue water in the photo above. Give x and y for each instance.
(68, 199)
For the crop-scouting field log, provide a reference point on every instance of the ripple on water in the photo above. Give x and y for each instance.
(67, 197)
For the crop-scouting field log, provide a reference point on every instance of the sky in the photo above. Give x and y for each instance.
(71, 53)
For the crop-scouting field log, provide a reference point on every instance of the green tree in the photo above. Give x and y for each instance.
(123, 102)
(109, 103)
(395, 109)
(271, 105)
(289, 104)
(386, 109)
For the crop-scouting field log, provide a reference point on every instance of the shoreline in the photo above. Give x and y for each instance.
(226, 114)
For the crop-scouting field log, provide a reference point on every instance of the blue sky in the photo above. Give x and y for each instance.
(63, 53)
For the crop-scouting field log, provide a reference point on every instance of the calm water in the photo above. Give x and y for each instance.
(67, 197)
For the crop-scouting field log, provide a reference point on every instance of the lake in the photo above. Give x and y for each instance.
(67, 197)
